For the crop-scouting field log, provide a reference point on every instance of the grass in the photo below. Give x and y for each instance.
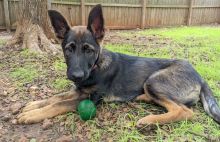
(59, 65)
(2, 42)
(61, 84)
(25, 74)
(26, 53)
(199, 45)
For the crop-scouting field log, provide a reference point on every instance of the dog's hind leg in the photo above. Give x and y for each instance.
(42, 103)
(175, 113)
(49, 111)
(172, 88)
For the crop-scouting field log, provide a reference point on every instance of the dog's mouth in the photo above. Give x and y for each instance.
(77, 80)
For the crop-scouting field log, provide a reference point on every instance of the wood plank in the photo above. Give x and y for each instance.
(121, 27)
(143, 14)
(83, 15)
(189, 18)
(7, 18)
(2, 27)
(114, 5)
(48, 4)
(65, 3)
(133, 5)
(206, 6)
(167, 6)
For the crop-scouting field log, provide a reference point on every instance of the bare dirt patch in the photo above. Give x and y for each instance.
(137, 40)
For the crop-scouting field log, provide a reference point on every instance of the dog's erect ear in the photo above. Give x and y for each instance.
(59, 23)
(96, 22)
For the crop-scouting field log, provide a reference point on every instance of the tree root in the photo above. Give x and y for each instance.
(31, 36)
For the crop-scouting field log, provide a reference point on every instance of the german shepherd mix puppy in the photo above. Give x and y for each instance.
(100, 74)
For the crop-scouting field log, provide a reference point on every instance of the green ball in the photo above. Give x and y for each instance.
(86, 109)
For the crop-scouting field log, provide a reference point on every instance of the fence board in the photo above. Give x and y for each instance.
(114, 1)
(2, 17)
(167, 2)
(118, 17)
(174, 16)
(13, 8)
(126, 14)
(71, 13)
(205, 15)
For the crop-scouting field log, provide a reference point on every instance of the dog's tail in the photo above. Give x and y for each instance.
(209, 103)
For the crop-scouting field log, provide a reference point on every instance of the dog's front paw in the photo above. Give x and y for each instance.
(34, 105)
(30, 117)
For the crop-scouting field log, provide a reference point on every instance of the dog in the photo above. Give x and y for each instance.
(102, 75)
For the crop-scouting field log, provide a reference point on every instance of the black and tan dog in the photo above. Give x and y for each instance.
(103, 75)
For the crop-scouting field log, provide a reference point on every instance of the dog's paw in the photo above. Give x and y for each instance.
(145, 121)
(140, 123)
(30, 117)
(34, 105)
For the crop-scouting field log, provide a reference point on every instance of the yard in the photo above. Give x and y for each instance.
(27, 76)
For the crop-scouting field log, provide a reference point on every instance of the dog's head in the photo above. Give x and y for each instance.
(81, 45)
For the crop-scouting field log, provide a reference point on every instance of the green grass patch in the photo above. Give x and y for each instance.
(2, 42)
(26, 53)
(24, 74)
(121, 48)
(61, 84)
(59, 65)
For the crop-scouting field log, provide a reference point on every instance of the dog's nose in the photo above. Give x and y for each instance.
(77, 75)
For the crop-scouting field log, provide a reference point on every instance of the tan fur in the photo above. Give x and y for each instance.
(49, 111)
(88, 90)
(80, 30)
(39, 110)
(111, 98)
(175, 113)
(143, 97)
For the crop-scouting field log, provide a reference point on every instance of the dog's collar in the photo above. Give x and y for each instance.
(95, 64)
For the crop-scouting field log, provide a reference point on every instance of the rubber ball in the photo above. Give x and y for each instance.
(86, 110)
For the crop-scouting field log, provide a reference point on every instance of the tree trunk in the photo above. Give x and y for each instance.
(33, 28)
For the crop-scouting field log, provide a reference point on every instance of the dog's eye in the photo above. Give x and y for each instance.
(71, 47)
(87, 49)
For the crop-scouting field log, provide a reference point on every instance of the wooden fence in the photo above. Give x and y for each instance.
(127, 14)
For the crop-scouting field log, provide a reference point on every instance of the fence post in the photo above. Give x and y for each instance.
(7, 18)
(83, 18)
(48, 4)
(143, 13)
(189, 18)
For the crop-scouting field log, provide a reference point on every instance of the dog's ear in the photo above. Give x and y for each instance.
(59, 23)
(96, 22)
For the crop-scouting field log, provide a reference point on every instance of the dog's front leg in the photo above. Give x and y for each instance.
(50, 110)
(72, 94)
